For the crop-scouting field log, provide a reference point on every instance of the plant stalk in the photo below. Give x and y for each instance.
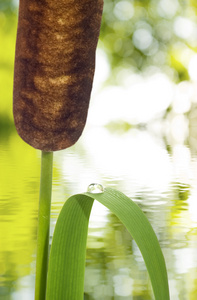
(43, 224)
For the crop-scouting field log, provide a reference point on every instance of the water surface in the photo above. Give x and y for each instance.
(160, 177)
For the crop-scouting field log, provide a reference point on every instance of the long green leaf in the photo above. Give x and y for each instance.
(68, 250)
(67, 257)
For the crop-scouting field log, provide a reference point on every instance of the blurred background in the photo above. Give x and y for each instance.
(140, 137)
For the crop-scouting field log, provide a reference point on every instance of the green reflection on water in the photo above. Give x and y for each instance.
(19, 184)
(115, 268)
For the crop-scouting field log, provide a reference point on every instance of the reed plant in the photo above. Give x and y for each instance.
(54, 68)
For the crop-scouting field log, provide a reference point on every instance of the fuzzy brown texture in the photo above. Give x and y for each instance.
(54, 69)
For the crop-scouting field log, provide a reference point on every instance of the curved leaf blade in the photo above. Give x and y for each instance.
(67, 258)
(142, 232)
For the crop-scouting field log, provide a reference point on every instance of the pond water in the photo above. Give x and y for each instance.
(158, 172)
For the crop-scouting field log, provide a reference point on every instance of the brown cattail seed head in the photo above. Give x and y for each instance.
(54, 69)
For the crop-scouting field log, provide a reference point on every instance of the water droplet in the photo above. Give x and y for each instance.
(95, 188)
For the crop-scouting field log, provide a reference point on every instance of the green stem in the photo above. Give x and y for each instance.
(43, 224)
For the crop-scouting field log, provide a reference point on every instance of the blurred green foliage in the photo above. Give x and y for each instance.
(136, 35)
(8, 23)
(8, 6)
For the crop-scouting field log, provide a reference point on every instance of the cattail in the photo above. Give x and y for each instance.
(54, 69)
